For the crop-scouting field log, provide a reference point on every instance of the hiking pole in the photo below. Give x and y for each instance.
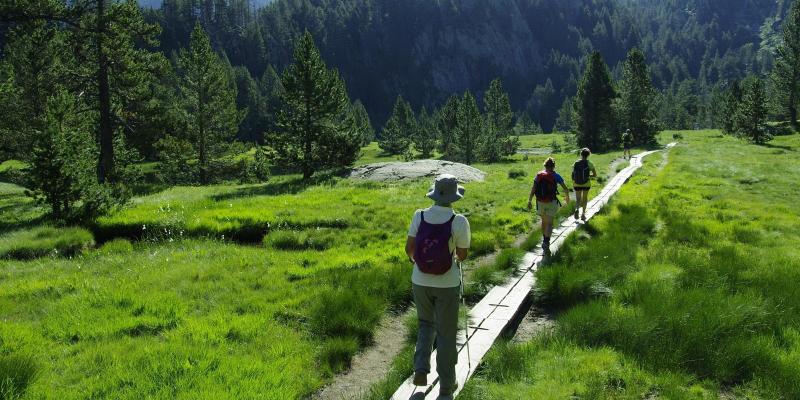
(466, 316)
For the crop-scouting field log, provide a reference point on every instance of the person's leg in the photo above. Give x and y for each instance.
(584, 202)
(426, 315)
(577, 202)
(547, 228)
(446, 303)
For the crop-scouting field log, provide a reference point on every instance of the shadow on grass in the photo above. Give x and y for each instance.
(8, 226)
(778, 146)
(289, 186)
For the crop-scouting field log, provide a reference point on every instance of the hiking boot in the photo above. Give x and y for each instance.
(575, 214)
(447, 394)
(583, 217)
(420, 379)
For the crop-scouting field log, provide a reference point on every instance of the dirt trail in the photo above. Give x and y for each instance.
(536, 322)
(369, 366)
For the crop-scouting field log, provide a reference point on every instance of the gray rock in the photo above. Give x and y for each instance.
(396, 171)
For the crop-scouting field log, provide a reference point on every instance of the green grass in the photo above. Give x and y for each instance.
(45, 241)
(688, 281)
(229, 291)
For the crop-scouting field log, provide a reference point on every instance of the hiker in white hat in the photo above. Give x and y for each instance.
(438, 239)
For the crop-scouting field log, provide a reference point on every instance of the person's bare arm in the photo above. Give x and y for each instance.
(530, 197)
(461, 254)
(411, 245)
(566, 192)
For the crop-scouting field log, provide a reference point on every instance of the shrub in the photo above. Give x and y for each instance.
(258, 170)
(555, 147)
(516, 173)
(39, 242)
(677, 136)
(176, 166)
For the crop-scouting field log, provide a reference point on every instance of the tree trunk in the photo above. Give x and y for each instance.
(105, 165)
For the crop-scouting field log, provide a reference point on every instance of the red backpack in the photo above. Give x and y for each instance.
(546, 188)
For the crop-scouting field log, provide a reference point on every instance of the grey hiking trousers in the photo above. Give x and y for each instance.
(437, 311)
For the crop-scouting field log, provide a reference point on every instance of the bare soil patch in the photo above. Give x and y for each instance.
(369, 366)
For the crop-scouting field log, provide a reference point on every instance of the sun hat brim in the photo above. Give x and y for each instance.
(446, 198)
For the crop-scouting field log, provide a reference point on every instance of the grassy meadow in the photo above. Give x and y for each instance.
(228, 291)
(685, 287)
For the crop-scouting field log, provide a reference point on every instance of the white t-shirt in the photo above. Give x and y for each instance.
(460, 237)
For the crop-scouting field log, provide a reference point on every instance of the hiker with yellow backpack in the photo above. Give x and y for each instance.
(582, 173)
(545, 188)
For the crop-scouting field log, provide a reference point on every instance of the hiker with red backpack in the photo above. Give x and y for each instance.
(545, 188)
(582, 173)
(438, 239)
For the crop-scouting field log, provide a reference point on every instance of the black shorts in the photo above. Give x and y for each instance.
(582, 189)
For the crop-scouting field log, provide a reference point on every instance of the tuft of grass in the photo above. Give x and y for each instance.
(483, 243)
(16, 374)
(117, 246)
(45, 241)
(301, 240)
(336, 354)
(345, 313)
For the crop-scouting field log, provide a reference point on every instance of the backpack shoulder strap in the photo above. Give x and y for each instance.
(421, 216)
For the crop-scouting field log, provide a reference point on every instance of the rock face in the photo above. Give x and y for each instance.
(396, 171)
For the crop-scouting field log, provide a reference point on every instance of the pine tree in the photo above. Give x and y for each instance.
(525, 125)
(209, 101)
(109, 63)
(250, 99)
(637, 100)
(786, 74)
(594, 120)
(364, 126)
(426, 135)
(272, 92)
(316, 129)
(446, 124)
(469, 129)
(399, 130)
(730, 107)
(497, 142)
(63, 155)
(751, 118)
(564, 122)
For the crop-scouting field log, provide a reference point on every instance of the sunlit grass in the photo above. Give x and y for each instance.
(689, 276)
(232, 291)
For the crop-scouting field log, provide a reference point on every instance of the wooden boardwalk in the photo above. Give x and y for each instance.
(493, 314)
